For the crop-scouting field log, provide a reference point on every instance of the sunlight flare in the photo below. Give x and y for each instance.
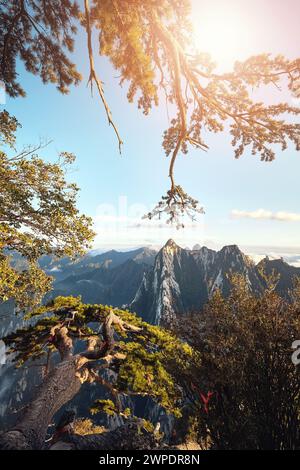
(223, 30)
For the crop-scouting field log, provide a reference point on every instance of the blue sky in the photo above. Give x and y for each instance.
(116, 190)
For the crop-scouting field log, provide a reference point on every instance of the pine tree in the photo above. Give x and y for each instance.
(142, 357)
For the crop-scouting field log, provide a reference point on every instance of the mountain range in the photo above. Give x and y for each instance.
(156, 284)
(159, 284)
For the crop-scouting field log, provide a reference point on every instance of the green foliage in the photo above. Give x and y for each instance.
(40, 34)
(245, 348)
(148, 425)
(110, 408)
(127, 38)
(144, 373)
(38, 215)
(147, 361)
(152, 47)
(123, 41)
(105, 406)
(85, 427)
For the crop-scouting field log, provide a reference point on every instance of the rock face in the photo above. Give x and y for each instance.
(285, 272)
(109, 278)
(175, 283)
(217, 265)
(183, 280)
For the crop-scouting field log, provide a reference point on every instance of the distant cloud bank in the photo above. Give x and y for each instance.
(293, 259)
(266, 215)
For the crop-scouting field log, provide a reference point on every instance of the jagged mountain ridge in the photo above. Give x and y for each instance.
(286, 272)
(157, 285)
(62, 268)
(175, 283)
(216, 265)
(183, 280)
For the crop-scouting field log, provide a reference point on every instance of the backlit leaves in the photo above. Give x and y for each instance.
(38, 215)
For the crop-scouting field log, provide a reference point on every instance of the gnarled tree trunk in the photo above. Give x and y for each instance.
(60, 386)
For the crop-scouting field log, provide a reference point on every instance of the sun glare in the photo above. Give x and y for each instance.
(222, 30)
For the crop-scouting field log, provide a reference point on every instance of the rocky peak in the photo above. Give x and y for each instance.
(231, 250)
(204, 257)
(234, 254)
(171, 247)
(197, 247)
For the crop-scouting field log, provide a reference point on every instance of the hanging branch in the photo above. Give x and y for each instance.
(220, 98)
(93, 75)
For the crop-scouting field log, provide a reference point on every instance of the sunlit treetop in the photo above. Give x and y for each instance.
(38, 216)
(150, 44)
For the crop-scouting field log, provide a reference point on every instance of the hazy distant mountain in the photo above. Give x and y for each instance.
(112, 278)
(63, 268)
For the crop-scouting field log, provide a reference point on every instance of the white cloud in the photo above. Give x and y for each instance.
(123, 232)
(122, 226)
(293, 260)
(290, 254)
(266, 215)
